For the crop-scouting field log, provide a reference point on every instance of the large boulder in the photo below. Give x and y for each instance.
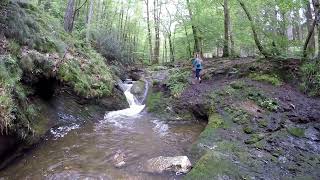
(178, 164)
(139, 90)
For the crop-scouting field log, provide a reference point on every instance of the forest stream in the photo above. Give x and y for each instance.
(89, 149)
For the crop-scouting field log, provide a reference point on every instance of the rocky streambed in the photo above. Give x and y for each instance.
(93, 142)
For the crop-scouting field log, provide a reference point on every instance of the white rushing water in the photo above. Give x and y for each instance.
(134, 109)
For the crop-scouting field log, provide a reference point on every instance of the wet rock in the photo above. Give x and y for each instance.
(178, 164)
(312, 134)
(115, 102)
(118, 159)
(138, 90)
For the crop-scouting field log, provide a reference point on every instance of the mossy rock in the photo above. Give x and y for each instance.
(263, 123)
(248, 130)
(138, 90)
(297, 132)
(238, 85)
(255, 138)
(214, 165)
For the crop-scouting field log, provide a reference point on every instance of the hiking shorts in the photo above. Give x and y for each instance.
(198, 73)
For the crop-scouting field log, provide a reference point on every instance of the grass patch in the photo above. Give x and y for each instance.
(268, 78)
(297, 132)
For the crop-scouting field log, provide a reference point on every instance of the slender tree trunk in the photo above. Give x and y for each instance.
(157, 13)
(68, 16)
(90, 14)
(311, 30)
(312, 44)
(197, 47)
(149, 32)
(254, 31)
(233, 53)
(188, 42)
(171, 47)
(226, 29)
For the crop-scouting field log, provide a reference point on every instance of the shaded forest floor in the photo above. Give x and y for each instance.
(259, 126)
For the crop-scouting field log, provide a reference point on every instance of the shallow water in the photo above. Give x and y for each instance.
(87, 150)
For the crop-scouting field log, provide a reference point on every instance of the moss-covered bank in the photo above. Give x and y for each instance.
(37, 59)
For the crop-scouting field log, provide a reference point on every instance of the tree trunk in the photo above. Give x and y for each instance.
(157, 12)
(232, 48)
(149, 32)
(171, 47)
(68, 16)
(254, 31)
(311, 30)
(90, 14)
(312, 43)
(194, 29)
(226, 29)
(188, 43)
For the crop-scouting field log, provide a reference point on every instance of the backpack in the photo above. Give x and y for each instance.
(198, 63)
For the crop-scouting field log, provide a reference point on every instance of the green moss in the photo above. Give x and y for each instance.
(263, 123)
(268, 78)
(248, 130)
(297, 132)
(254, 138)
(238, 85)
(155, 102)
(213, 165)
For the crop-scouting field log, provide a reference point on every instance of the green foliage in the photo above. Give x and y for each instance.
(311, 78)
(215, 121)
(268, 78)
(29, 26)
(178, 81)
(297, 132)
(10, 74)
(14, 48)
(89, 78)
(263, 101)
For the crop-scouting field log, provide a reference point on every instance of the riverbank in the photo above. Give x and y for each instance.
(259, 126)
(39, 62)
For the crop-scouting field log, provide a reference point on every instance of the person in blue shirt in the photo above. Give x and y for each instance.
(197, 65)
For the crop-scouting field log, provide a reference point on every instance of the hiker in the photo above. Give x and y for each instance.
(197, 65)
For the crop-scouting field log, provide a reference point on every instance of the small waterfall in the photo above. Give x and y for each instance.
(135, 107)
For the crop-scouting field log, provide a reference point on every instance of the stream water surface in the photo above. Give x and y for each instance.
(87, 150)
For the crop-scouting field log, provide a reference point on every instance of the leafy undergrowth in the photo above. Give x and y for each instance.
(178, 81)
(311, 78)
(10, 75)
